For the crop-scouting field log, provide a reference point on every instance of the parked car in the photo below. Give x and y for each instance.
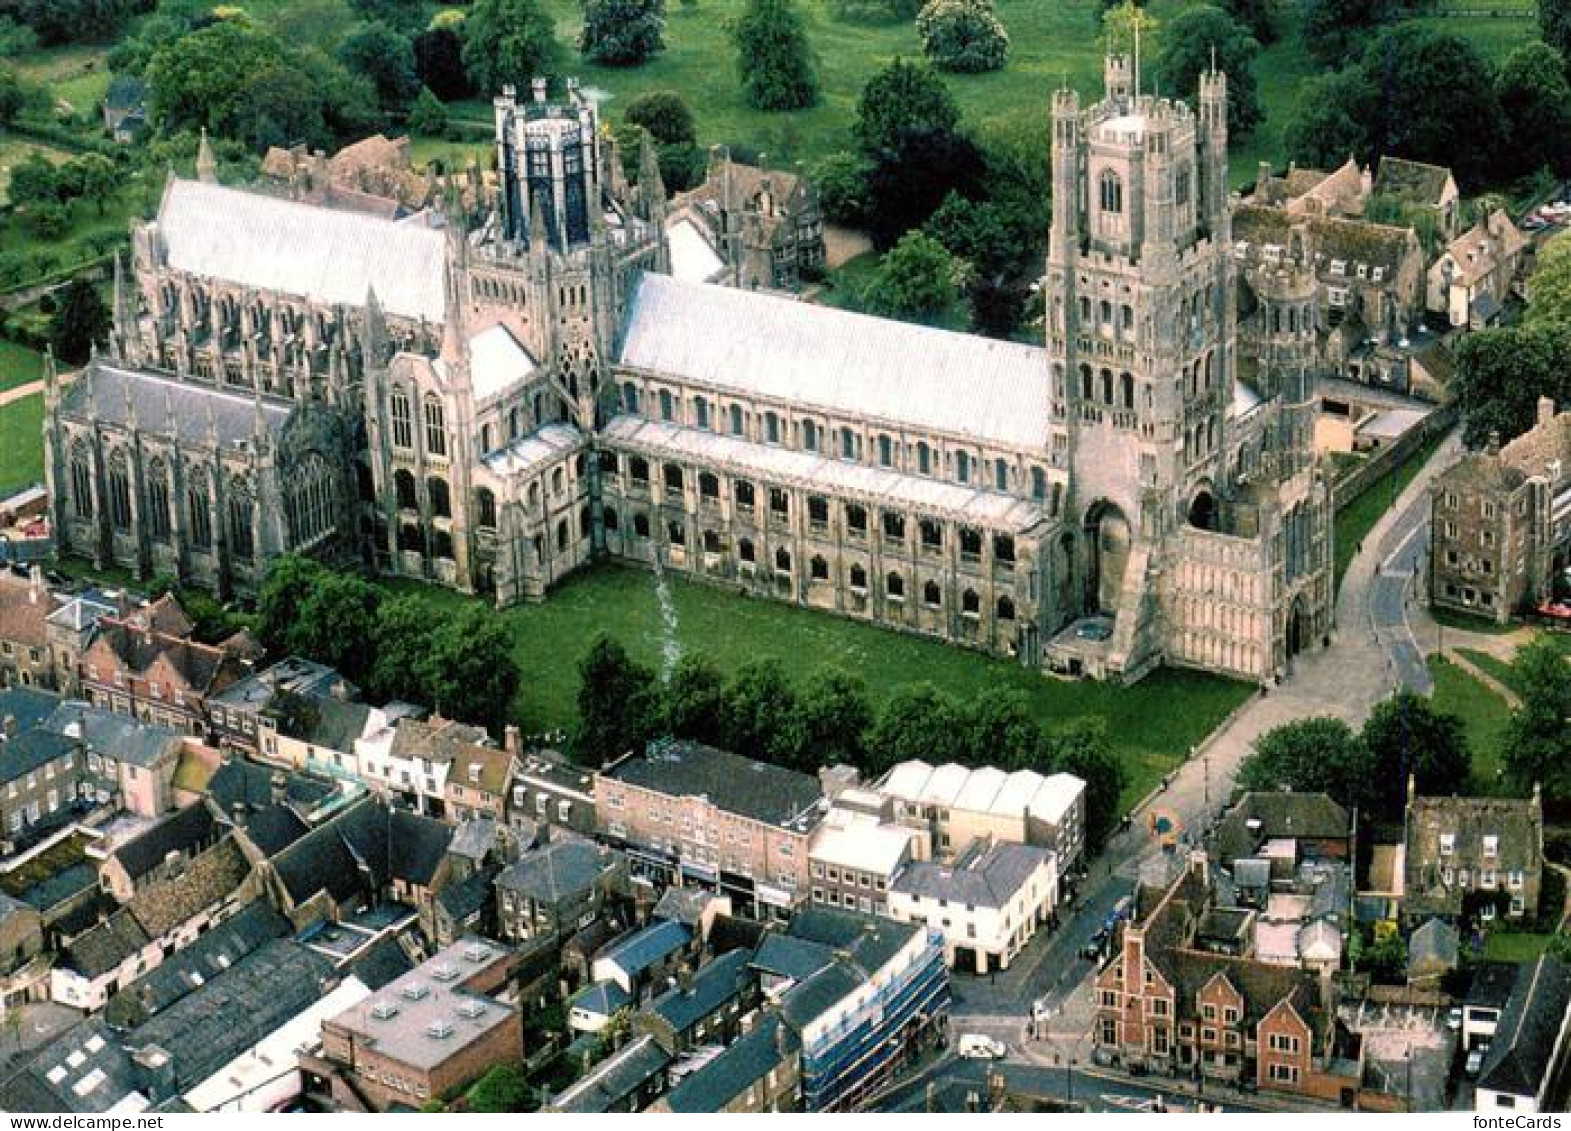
(1454, 1019)
(1475, 1061)
(979, 1046)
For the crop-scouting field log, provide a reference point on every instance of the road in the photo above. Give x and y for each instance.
(1372, 652)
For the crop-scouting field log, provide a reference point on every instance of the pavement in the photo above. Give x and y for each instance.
(1381, 637)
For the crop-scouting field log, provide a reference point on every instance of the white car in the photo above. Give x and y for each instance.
(979, 1046)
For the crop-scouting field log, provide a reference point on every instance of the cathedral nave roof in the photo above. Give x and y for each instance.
(165, 405)
(321, 254)
(849, 364)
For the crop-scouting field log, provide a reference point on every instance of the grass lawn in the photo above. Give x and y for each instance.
(18, 365)
(1484, 716)
(14, 150)
(1153, 723)
(1492, 665)
(21, 443)
(76, 74)
(1483, 626)
(1515, 946)
(1358, 518)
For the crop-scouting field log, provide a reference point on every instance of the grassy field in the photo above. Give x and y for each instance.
(14, 150)
(1515, 946)
(1484, 715)
(21, 442)
(1492, 665)
(18, 365)
(77, 75)
(1358, 518)
(1153, 723)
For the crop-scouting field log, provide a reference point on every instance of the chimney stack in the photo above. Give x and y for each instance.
(512, 739)
(280, 787)
(1546, 410)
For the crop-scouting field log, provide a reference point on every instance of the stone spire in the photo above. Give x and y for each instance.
(206, 163)
(651, 187)
(51, 379)
(124, 313)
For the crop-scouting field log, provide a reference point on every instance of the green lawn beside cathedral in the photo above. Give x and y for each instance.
(21, 443)
(1153, 723)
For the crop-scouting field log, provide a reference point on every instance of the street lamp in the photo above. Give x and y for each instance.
(1069, 1080)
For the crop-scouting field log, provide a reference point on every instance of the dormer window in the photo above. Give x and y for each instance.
(1363, 270)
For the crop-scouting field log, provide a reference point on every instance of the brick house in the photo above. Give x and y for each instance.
(1467, 855)
(1165, 1005)
(688, 813)
(25, 605)
(477, 782)
(547, 789)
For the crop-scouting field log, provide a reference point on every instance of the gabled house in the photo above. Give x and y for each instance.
(1527, 1058)
(1470, 856)
(1471, 281)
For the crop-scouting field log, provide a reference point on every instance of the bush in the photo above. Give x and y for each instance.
(622, 33)
(963, 35)
(428, 115)
(842, 188)
(773, 58)
(665, 114)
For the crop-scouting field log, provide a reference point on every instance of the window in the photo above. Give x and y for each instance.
(924, 458)
(1447, 844)
(708, 485)
(779, 503)
(858, 579)
(771, 428)
(963, 466)
(856, 518)
(895, 587)
(198, 517)
(1491, 846)
(886, 451)
(667, 410)
(894, 526)
(810, 435)
(402, 434)
(485, 503)
(932, 596)
(672, 475)
(119, 492)
(1112, 192)
(241, 540)
(819, 569)
(435, 427)
(736, 420)
(437, 495)
(847, 444)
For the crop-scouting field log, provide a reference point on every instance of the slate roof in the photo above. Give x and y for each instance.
(29, 750)
(1281, 816)
(615, 1078)
(474, 838)
(1521, 1054)
(388, 843)
(274, 828)
(1432, 947)
(745, 1061)
(488, 765)
(684, 905)
(715, 983)
(847, 364)
(1484, 471)
(321, 254)
(113, 735)
(602, 999)
(1330, 238)
(1492, 984)
(1413, 181)
(435, 740)
(238, 781)
(185, 831)
(640, 950)
(192, 967)
(103, 948)
(463, 899)
(207, 1028)
(383, 964)
(83, 1070)
(984, 875)
(745, 786)
(167, 406)
(29, 706)
(558, 870)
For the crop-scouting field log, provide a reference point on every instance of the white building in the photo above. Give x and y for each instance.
(854, 858)
(959, 806)
(987, 904)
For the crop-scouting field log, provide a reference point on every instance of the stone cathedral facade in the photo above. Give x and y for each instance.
(491, 394)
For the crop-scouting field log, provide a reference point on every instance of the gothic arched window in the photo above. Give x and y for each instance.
(404, 482)
(895, 585)
(242, 540)
(485, 503)
(403, 437)
(119, 492)
(435, 427)
(198, 520)
(932, 595)
(1006, 609)
(970, 603)
(1127, 389)
(436, 491)
(82, 480)
(1112, 192)
(924, 458)
(158, 499)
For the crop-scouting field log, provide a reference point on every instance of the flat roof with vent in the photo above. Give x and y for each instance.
(428, 1016)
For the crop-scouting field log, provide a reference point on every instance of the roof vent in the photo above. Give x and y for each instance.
(446, 972)
(476, 952)
(472, 1009)
(414, 991)
(439, 1030)
(384, 1010)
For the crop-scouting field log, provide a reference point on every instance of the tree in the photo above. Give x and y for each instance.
(978, 234)
(1001, 731)
(287, 584)
(336, 624)
(1548, 288)
(1120, 20)
(1335, 31)
(281, 106)
(1537, 744)
(508, 42)
(401, 15)
(439, 60)
(622, 33)
(909, 182)
(665, 115)
(903, 96)
(917, 721)
(75, 21)
(34, 181)
(835, 717)
(1203, 36)
(386, 60)
(503, 1088)
(842, 188)
(614, 700)
(692, 703)
(1261, 17)
(1082, 748)
(324, 23)
(1501, 372)
(96, 178)
(1554, 25)
(760, 718)
(402, 637)
(469, 671)
(18, 97)
(428, 115)
(963, 35)
(916, 281)
(1312, 755)
(78, 322)
(1535, 104)
(1405, 735)
(204, 78)
(1328, 120)
(774, 60)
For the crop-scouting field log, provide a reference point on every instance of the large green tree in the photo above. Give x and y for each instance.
(509, 42)
(774, 60)
(908, 183)
(503, 1088)
(916, 281)
(1328, 123)
(469, 672)
(1554, 25)
(692, 702)
(1082, 748)
(1336, 31)
(385, 59)
(1310, 755)
(917, 721)
(336, 624)
(78, 322)
(760, 715)
(615, 702)
(903, 96)
(205, 78)
(1202, 36)
(622, 33)
(963, 35)
(403, 638)
(1002, 731)
(1501, 372)
(1537, 744)
(835, 717)
(1406, 735)
(1535, 103)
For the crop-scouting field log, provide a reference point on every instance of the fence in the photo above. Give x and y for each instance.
(1388, 459)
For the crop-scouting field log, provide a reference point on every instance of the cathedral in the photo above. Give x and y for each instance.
(490, 392)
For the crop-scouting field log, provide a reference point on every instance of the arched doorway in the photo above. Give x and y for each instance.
(1107, 543)
(1202, 510)
(1298, 627)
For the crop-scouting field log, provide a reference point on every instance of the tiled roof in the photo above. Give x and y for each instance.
(745, 1061)
(638, 951)
(732, 783)
(185, 831)
(435, 740)
(615, 1078)
(107, 945)
(1521, 1053)
(29, 706)
(165, 405)
(480, 767)
(844, 363)
(366, 843)
(715, 983)
(558, 870)
(23, 611)
(210, 878)
(1413, 181)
